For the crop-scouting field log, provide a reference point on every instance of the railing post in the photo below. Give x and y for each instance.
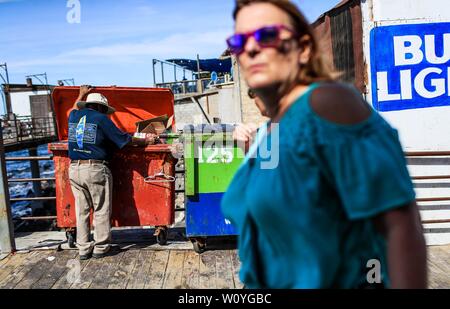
(35, 173)
(17, 129)
(7, 243)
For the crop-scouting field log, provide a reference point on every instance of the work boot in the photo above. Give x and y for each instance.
(112, 250)
(84, 257)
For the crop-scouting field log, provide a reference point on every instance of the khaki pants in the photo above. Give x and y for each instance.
(92, 187)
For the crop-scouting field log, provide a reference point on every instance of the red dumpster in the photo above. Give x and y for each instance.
(143, 178)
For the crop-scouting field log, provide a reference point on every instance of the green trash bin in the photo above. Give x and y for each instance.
(211, 160)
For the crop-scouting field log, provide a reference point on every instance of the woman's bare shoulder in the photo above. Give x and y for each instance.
(339, 103)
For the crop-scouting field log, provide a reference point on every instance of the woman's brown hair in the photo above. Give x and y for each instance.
(316, 69)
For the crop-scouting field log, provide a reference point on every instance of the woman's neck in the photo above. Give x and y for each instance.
(277, 102)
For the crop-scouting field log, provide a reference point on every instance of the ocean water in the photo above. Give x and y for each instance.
(20, 169)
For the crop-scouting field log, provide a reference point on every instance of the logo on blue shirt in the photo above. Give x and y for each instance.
(80, 132)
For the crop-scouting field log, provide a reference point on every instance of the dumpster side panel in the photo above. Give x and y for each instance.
(135, 202)
(65, 201)
(208, 175)
(216, 172)
(204, 216)
(212, 167)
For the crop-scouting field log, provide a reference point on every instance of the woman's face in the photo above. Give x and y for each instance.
(267, 67)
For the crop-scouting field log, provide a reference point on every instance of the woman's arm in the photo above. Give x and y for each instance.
(406, 249)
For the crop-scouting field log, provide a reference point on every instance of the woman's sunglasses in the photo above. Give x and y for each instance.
(265, 37)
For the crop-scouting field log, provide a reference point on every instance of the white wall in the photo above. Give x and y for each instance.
(421, 129)
(424, 128)
(393, 10)
(20, 102)
(229, 108)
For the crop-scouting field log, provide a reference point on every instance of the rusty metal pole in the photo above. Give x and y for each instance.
(7, 243)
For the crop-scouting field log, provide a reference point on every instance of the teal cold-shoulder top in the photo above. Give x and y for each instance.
(305, 218)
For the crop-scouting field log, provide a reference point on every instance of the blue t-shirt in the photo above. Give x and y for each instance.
(93, 136)
(306, 221)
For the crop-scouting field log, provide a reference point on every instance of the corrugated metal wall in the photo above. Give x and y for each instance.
(339, 33)
(342, 42)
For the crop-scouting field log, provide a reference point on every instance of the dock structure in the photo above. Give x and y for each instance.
(29, 119)
(27, 132)
(142, 264)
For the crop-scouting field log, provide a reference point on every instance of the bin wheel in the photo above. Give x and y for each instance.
(161, 237)
(199, 246)
(71, 239)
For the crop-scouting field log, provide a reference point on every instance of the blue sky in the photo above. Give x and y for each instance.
(115, 42)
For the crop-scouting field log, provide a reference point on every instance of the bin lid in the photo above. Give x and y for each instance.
(208, 128)
(132, 104)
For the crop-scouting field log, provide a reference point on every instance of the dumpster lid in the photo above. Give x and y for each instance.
(208, 128)
(132, 104)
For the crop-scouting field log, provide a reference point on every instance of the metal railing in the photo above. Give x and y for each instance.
(194, 86)
(186, 86)
(36, 198)
(408, 155)
(27, 128)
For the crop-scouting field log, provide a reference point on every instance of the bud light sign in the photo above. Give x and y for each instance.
(410, 66)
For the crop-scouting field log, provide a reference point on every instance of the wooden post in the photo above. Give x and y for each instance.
(7, 100)
(7, 243)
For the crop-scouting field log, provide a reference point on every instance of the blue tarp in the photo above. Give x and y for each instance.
(210, 65)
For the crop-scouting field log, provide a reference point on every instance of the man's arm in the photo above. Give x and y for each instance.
(150, 139)
(84, 91)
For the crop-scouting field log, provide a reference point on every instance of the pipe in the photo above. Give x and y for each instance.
(49, 158)
(47, 218)
(30, 179)
(433, 199)
(31, 199)
(431, 177)
(435, 221)
(427, 153)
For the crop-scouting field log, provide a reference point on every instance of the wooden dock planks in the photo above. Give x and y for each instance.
(140, 273)
(152, 269)
(207, 270)
(191, 270)
(56, 270)
(120, 277)
(157, 272)
(110, 264)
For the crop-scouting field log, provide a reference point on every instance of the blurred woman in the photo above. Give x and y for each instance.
(339, 210)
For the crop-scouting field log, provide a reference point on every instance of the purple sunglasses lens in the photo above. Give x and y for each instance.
(236, 43)
(267, 35)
